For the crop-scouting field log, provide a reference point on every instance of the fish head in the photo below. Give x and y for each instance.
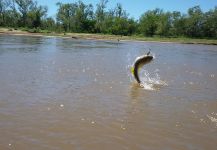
(148, 59)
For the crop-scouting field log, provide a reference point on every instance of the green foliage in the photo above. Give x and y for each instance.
(4, 5)
(164, 24)
(34, 30)
(194, 22)
(121, 26)
(100, 16)
(210, 24)
(75, 17)
(178, 25)
(24, 6)
(115, 21)
(149, 22)
(49, 24)
(81, 17)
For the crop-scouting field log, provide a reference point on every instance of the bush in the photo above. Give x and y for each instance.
(34, 30)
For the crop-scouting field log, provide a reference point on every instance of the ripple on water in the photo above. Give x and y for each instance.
(67, 95)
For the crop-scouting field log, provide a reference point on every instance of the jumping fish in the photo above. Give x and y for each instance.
(139, 63)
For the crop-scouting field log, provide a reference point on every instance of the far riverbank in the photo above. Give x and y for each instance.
(183, 40)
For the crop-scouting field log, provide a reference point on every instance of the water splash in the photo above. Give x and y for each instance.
(212, 119)
(151, 81)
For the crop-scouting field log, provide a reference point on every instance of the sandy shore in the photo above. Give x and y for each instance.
(6, 31)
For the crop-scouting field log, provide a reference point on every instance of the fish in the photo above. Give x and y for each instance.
(139, 63)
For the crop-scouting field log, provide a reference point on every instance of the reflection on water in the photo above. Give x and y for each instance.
(79, 94)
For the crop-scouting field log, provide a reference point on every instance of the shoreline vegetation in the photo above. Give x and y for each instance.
(94, 36)
(81, 20)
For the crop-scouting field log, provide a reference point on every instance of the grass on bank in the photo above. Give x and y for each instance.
(37, 31)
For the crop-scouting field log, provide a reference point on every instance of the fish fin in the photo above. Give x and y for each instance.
(132, 69)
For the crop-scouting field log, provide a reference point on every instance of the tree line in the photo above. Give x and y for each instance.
(82, 18)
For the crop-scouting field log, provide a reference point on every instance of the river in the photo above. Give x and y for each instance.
(62, 94)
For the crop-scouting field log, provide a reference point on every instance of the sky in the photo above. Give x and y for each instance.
(136, 8)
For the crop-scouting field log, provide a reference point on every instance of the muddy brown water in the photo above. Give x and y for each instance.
(63, 94)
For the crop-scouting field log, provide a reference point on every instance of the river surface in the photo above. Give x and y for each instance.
(64, 94)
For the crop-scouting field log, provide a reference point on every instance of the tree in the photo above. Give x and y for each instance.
(80, 17)
(119, 11)
(83, 17)
(148, 22)
(100, 15)
(194, 22)
(4, 4)
(121, 25)
(35, 16)
(24, 7)
(164, 24)
(65, 15)
(76, 17)
(49, 24)
(178, 24)
(210, 23)
(11, 18)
